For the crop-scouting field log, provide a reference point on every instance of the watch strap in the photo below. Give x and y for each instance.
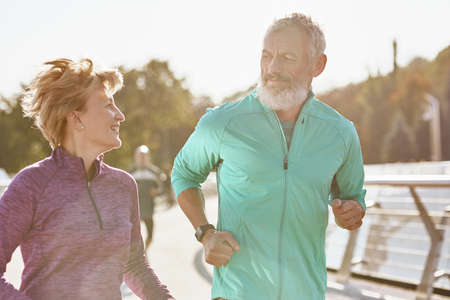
(201, 230)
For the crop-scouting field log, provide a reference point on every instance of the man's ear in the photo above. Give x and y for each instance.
(319, 65)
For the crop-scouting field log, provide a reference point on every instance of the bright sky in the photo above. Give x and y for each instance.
(214, 44)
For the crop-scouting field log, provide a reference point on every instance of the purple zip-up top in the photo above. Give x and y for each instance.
(79, 239)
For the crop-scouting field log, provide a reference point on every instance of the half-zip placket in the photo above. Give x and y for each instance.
(99, 217)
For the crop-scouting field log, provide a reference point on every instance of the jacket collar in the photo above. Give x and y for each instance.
(75, 164)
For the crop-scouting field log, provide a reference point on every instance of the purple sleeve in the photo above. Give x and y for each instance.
(139, 276)
(16, 214)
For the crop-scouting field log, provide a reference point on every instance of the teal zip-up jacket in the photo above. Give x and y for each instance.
(273, 200)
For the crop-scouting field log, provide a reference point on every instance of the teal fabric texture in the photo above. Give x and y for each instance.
(273, 199)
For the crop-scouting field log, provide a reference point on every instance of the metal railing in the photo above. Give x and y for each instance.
(430, 272)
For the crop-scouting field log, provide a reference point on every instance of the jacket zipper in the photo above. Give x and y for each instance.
(99, 217)
(283, 212)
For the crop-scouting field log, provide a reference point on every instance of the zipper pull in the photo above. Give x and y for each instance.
(285, 163)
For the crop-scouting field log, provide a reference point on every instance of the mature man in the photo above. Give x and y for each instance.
(281, 156)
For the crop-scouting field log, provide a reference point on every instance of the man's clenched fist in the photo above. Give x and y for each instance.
(219, 247)
(348, 213)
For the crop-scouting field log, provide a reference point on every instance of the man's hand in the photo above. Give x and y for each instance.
(347, 213)
(219, 247)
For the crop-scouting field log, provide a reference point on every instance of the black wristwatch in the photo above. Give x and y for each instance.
(202, 229)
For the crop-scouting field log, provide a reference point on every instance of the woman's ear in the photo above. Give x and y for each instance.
(319, 65)
(74, 121)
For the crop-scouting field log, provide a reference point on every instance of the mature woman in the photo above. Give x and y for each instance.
(75, 218)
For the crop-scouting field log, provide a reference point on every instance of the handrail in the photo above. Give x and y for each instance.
(430, 272)
(426, 181)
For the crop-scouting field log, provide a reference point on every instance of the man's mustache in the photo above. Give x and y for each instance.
(276, 77)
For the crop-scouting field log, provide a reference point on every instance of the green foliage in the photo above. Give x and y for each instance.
(154, 103)
(20, 143)
(160, 113)
(438, 71)
(388, 110)
(395, 140)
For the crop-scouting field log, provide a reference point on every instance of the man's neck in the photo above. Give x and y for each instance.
(289, 115)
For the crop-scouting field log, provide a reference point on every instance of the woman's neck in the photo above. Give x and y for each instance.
(80, 150)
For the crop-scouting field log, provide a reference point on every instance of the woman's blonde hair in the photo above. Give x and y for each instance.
(62, 89)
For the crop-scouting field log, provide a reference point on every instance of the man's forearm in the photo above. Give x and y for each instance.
(192, 203)
(218, 246)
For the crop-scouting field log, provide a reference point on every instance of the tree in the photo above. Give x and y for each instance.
(159, 111)
(438, 72)
(399, 144)
(20, 142)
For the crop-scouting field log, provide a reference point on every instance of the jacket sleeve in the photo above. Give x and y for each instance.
(16, 214)
(138, 275)
(200, 155)
(349, 180)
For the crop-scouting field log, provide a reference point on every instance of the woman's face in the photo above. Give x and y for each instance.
(101, 120)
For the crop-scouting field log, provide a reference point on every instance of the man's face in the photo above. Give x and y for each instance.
(285, 60)
(141, 159)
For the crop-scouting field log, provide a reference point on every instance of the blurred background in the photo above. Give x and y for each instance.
(179, 57)
(388, 71)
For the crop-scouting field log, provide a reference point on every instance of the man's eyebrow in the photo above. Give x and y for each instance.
(290, 53)
(282, 53)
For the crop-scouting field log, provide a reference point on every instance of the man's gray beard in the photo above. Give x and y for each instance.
(283, 100)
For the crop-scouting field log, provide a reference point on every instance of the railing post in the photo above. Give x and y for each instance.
(425, 288)
(345, 269)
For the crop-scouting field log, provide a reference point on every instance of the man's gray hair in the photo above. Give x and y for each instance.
(303, 22)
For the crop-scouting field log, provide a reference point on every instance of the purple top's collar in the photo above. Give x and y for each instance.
(74, 163)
